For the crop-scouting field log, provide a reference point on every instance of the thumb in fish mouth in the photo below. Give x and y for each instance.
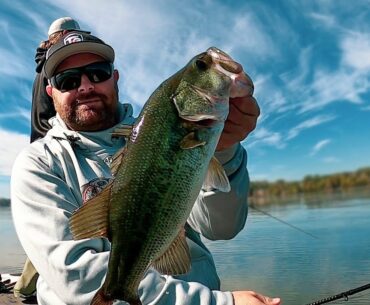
(242, 85)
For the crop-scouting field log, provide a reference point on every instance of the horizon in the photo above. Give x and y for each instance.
(309, 62)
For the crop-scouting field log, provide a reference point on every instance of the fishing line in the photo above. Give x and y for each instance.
(282, 221)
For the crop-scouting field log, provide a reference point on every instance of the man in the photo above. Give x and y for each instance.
(56, 174)
(42, 104)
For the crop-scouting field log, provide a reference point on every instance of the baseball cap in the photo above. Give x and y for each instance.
(74, 43)
(64, 24)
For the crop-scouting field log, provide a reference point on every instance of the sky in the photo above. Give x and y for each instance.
(309, 60)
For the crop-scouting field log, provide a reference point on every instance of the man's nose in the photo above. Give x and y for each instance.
(86, 85)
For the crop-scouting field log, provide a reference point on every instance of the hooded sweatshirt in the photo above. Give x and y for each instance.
(56, 174)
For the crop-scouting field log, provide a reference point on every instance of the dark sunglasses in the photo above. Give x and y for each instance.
(71, 78)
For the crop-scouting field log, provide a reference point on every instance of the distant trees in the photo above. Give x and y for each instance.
(4, 202)
(312, 184)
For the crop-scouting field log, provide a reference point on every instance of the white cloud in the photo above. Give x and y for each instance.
(356, 50)
(12, 64)
(319, 145)
(263, 136)
(325, 19)
(11, 144)
(334, 86)
(307, 124)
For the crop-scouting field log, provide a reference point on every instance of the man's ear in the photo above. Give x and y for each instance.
(49, 90)
(116, 75)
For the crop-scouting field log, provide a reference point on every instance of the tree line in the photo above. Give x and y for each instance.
(4, 202)
(312, 184)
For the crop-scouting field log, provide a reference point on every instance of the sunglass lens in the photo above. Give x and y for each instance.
(68, 81)
(99, 72)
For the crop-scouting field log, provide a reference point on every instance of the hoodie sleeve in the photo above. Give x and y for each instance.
(217, 215)
(157, 289)
(42, 204)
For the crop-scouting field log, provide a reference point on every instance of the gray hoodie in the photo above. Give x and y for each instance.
(56, 174)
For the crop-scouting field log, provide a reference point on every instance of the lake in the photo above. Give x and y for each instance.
(273, 258)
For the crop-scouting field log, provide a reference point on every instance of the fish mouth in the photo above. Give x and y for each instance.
(241, 83)
(225, 62)
(206, 122)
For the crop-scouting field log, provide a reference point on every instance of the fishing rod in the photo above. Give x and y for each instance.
(282, 221)
(342, 295)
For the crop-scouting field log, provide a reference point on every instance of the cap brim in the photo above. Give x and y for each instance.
(103, 50)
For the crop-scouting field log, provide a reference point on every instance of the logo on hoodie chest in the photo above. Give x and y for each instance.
(93, 188)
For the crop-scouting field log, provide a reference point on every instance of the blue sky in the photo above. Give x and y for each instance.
(310, 62)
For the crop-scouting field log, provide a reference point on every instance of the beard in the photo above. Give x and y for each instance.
(89, 112)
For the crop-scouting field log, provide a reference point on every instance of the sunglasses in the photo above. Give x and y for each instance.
(71, 78)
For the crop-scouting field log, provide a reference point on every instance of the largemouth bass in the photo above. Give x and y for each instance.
(159, 174)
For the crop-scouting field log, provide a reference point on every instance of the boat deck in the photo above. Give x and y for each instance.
(10, 299)
(7, 298)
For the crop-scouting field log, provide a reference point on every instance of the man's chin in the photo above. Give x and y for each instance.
(94, 121)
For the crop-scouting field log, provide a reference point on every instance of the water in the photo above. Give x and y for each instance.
(272, 258)
(12, 256)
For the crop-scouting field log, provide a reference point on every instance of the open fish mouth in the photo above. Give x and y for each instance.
(225, 62)
(242, 84)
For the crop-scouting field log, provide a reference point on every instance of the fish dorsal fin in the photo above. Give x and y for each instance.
(117, 160)
(216, 177)
(123, 130)
(91, 220)
(191, 141)
(176, 259)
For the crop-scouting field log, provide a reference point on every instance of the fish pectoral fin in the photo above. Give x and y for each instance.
(117, 160)
(191, 141)
(91, 220)
(176, 259)
(122, 130)
(216, 177)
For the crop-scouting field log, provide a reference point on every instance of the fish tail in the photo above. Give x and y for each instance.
(101, 299)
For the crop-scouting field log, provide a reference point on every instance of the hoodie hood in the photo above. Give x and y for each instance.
(40, 58)
(92, 143)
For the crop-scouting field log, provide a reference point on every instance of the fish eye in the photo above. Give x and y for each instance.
(201, 64)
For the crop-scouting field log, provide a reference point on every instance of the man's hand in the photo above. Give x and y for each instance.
(253, 298)
(241, 121)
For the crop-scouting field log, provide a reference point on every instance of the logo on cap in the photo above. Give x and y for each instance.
(72, 38)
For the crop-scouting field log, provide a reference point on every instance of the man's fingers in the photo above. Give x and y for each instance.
(239, 123)
(246, 104)
(267, 300)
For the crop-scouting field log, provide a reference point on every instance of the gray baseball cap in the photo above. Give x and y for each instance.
(64, 24)
(74, 43)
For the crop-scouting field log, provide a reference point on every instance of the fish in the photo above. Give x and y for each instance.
(158, 175)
